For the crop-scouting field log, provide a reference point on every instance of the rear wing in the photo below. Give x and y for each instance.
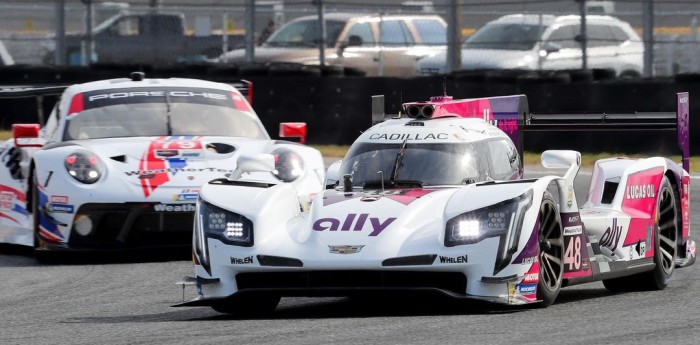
(511, 114)
(678, 121)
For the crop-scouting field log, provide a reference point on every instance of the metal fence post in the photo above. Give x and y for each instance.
(249, 31)
(89, 47)
(321, 33)
(583, 36)
(59, 54)
(454, 36)
(648, 19)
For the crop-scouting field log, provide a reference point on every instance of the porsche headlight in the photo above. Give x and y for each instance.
(288, 165)
(229, 227)
(84, 166)
(502, 219)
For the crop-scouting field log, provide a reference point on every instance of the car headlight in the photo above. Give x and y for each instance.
(501, 219)
(228, 227)
(288, 165)
(84, 166)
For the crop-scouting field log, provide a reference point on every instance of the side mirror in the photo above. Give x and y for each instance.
(353, 41)
(258, 162)
(560, 159)
(332, 174)
(293, 130)
(550, 47)
(25, 134)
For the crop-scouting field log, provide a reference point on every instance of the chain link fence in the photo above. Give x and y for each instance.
(381, 37)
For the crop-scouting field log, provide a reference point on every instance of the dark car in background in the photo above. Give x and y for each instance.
(376, 44)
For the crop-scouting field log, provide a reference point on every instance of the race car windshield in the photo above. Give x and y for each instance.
(513, 36)
(154, 119)
(420, 165)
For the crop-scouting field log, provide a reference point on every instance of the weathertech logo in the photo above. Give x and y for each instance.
(174, 208)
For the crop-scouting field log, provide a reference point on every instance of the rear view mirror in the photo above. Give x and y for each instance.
(560, 159)
(293, 130)
(257, 162)
(25, 134)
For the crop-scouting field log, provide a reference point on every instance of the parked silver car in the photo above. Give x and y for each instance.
(386, 45)
(546, 42)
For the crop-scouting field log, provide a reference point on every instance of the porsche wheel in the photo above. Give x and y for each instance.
(551, 256)
(665, 246)
(248, 306)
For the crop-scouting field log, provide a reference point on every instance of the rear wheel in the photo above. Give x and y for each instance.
(551, 256)
(665, 246)
(248, 306)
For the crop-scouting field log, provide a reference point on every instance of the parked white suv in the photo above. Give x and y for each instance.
(546, 42)
(386, 45)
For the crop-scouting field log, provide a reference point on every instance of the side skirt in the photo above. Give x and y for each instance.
(613, 269)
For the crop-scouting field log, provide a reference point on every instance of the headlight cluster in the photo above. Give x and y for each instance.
(499, 219)
(229, 227)
(84, 166)
(288, 165)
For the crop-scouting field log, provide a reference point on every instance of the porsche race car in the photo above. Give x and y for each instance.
(435, 201)
(118, 164)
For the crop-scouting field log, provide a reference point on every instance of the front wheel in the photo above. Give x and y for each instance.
(551, 259)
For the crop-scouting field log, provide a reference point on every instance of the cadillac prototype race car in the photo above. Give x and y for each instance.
(118, 164)
(437, 202)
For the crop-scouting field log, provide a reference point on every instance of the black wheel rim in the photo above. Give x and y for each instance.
(666, 229)
(551, 246)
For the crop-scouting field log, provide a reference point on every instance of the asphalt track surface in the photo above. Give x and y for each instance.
(127, 301)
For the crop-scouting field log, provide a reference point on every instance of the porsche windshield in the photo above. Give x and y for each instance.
(161, 119)
(411, 165)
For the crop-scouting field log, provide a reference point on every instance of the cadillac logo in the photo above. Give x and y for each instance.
(345, 249)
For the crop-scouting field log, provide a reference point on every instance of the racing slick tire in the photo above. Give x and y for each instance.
(665, 246)
(248, 306)
(551, 254)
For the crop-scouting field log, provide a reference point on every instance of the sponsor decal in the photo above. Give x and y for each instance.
(345, 249)
(190, 154)
(526, 288)
(7, 200)
(570, 197)
(531, 278)
(61, 208)
(174, 208)
(574, 219)
(642, 191)
(611, 236)
(350, 222)
(453, 260)
(641, 248)
(529, 261)
(585, 265)
(573, 230)
(155, 95)
(242, 261)
(408, 136)
(59, 199)
(146, 174)
(186, 195)
(166, 153)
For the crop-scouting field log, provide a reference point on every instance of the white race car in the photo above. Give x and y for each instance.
(436, 202)
(118, 164)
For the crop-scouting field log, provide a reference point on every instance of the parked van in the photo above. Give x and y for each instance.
(546, 42)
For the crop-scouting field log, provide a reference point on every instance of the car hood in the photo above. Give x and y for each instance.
(173, 161)
(276, 54)
(371, 218)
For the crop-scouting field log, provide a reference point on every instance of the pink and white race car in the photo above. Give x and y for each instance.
(435, 201)
(119, 163)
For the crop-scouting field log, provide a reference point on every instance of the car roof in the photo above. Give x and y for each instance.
(122, 83)
(548, 19)
(450, 130)
(352, 15)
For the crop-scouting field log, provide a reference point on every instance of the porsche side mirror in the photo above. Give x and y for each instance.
(26, 135)
(258, 162)
(293, 130)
